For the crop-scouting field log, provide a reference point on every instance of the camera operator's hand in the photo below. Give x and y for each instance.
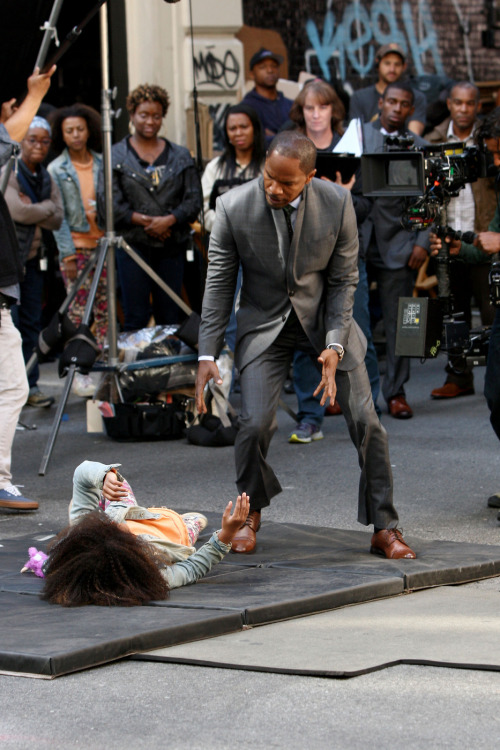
(437, 244)
(418, 257)
(488, 242)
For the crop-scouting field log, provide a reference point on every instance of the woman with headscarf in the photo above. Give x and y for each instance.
(35, 205)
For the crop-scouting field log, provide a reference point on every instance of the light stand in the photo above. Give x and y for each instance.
(50, 33)
(106, 251)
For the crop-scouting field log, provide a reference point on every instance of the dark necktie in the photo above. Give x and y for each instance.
(288, 211)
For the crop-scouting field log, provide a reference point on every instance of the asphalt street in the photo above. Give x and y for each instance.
(445, 464)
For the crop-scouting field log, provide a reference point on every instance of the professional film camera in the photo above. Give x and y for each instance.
(426, 179)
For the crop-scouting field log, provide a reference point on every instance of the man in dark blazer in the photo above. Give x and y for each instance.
(393, 254)
(296, 239)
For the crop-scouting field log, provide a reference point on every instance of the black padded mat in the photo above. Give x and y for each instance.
(264, 594)
(41, 639)
(296, 570)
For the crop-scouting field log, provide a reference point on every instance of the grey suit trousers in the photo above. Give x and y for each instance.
(261, 384)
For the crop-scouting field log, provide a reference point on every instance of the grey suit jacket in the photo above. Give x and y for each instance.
(381, 233)
(317, 274)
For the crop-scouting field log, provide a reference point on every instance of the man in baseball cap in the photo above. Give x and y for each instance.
(271, 105)
(387, 49)
(265, 54)
(391, 66)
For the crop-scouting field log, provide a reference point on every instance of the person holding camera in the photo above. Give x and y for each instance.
(472, 210)
(488, 243)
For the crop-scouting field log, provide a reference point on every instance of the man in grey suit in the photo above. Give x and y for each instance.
(296, 239)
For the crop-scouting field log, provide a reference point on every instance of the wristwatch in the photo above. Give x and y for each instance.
(337, 348)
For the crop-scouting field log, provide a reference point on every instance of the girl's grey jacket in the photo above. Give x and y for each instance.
(87, 489)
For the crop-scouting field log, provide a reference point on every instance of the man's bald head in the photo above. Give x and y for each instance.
(294, 145)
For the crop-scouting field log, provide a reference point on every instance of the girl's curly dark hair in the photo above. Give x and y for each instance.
(97, 562)
(147, 93)
(325, 94)
(91, 117)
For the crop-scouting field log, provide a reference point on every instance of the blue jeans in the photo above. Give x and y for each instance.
(492, 377)
(27, 316)
(306, 377)
(138, 288)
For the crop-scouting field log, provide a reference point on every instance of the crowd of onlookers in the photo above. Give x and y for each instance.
(56, 198)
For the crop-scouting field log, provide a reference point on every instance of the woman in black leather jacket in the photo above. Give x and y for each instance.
(156, 194)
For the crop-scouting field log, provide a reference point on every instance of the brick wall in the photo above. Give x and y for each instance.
(353, 29)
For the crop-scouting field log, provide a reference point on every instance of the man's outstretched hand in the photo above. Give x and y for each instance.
(206, 371)
(329, 360)
(232, 522)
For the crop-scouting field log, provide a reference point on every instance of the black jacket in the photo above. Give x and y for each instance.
(11, 268)
(178, 192)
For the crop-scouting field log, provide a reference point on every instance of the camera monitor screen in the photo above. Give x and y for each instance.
(393, 173)
(402, 172)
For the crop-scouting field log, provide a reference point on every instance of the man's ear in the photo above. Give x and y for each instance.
(310, 176)
(380, 103)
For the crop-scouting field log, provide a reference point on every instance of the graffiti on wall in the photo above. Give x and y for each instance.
(349, 39)
(216, 69)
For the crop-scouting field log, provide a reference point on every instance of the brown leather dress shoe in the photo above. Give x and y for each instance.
(399, 409)
(390, 543)
(245, 540)
(333, 410)
(451, 390)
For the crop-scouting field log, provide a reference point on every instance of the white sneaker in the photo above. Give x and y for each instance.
(83, 385)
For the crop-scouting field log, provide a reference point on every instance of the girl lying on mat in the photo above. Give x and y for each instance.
(117, 553)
